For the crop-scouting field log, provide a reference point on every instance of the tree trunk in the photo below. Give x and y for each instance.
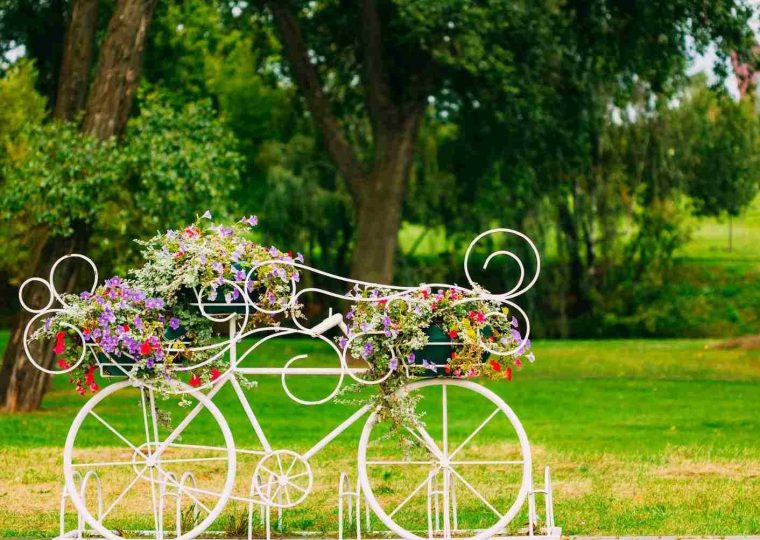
(77, 59)
(21, 384)
(118, 72)
(379, 202)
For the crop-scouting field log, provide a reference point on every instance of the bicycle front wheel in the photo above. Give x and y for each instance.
(463, 471)
(164, 467)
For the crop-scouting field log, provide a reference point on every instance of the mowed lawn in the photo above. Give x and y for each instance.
(643, 438)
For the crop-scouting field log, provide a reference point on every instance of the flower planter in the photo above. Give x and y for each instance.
(438, 350)
(119, 366)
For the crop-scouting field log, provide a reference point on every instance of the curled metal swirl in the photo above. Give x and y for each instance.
(245, 306)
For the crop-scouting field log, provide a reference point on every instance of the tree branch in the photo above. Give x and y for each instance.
(308, 80)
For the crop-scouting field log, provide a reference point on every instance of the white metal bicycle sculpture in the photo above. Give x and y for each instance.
(461, 489)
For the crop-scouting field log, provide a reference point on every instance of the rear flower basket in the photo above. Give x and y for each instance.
(440, 351)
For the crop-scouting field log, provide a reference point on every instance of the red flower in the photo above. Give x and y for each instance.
(453, 334)
(495, 365)
(195, 381)
(215, 374)
(453, 354)
(94, 387)
(125, 328)
(425, 293)
(383, 301)
(63, 364)
(89, 377)
(60, 345)
(508, 374)
(145, 348)
(447, 369)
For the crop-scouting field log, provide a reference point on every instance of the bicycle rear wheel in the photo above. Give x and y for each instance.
(159, 478)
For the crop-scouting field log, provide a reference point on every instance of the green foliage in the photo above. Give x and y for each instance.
(62, 178)
(727, 150)
(171, 166)
(20, 105)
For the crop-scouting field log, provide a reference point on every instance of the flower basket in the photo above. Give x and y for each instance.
(119, 366)
(438, 351)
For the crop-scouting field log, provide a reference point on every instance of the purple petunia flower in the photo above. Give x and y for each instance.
(106, 317)
(387, 321)
(47, 323)
(365, 327)
(342, 342)
(113, 282)
(514, 322)
(350, 314)
(239, 275)
(411, 358)
(252, 220)
(154, 303)
(85, 295)
(174, 323)
(393, 364)
(109, 343)
(206, 215)
(273, 251)
(296, 277)
(429, 365)
(271, 298)
(138, 323)
(299, 257)
(367, 350)
(216, 266)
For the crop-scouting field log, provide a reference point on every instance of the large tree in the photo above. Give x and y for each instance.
(110, 97)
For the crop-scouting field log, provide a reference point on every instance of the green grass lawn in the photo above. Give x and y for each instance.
(643, 437)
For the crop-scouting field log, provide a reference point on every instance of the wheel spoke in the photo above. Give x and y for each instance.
(477, 430)
(476, 493)
(180, 428)
(270, 471)
(192, 460)
(299, 475)
(485, 462)
(119, 435)
(290, 468)
(425, 439)
(399, 462)
(105, 464)
(124, 492)
(409, 497)
(299, 488)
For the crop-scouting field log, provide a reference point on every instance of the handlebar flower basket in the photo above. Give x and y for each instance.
(419, 347)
